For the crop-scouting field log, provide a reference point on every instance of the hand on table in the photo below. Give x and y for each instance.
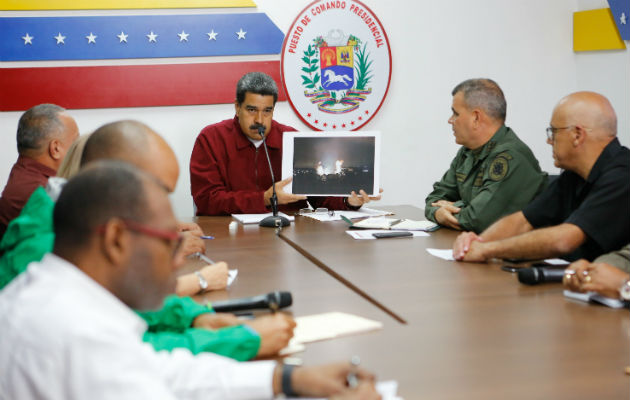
(191, 244)
(605, 279)
(329, 380)
(445, 214)
(275, 332)
(463, 243)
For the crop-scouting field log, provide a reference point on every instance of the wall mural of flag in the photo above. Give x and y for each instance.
(32, 43)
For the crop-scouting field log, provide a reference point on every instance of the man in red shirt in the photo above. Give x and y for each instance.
(45, 132)
(229, 172)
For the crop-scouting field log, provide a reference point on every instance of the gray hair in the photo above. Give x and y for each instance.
(484, 94)
(37, 125)
(257, 83)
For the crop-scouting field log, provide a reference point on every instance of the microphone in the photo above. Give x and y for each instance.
(272, 221)
(273, 301)
(536, 275)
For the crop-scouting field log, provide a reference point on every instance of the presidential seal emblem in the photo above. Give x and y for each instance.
(336, 65)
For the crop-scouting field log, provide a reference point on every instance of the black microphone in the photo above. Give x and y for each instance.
(273, 301)
(272, 221)
(536, 275)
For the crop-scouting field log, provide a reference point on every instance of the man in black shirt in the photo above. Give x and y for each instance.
(586, 211)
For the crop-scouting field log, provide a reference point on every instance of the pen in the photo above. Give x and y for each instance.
(352, 379)
(207, 237)
(346, 219)
(203, 257)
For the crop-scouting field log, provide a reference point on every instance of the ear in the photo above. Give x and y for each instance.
(579, 136)
(236, 106)
(54, 149)
(116, 242)
(476, 117)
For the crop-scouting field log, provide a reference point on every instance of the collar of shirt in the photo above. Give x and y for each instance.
(603, 160)
(274, 138)
(482, 152)
(30, 164)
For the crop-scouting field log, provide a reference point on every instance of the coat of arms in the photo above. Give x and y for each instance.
(336, 65)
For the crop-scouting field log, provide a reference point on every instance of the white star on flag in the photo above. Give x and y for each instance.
(241, 34)
(183, 36)
(152, 37)
(622, 19)
(60, 38)
(212, 35)
(28, 39)
(122, 37)
(91, 38)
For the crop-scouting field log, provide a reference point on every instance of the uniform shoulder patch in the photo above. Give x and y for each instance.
(498, 168)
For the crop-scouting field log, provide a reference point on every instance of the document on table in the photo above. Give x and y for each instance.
(366, 234)
(362, 213)
(232, 275)
(387, 389)
(593, 297)
(445, 254)
(313, 328)
(556, 261)
(256, 218)
(394, 224)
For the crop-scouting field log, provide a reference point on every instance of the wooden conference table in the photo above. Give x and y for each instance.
(468, 330)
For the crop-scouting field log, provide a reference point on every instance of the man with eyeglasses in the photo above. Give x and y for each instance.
(493, 174)
(582, 214)
(69, 331)
(229, 172)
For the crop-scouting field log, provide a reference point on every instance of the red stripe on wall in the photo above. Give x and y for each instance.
(127, 86)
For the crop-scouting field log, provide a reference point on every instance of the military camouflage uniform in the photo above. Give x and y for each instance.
(619, 259)
(488, 183)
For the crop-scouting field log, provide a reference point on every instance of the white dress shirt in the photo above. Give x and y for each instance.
(63, 336)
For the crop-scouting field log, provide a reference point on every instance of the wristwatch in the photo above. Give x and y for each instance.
(624, 290)
(203, 283)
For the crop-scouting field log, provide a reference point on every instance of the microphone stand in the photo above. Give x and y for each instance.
(275, 220)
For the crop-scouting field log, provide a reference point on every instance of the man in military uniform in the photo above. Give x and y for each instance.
(493, 174)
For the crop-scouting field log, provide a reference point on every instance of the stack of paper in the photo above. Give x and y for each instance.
(362, 213)
(394, 224)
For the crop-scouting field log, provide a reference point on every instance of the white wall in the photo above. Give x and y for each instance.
(525, 45)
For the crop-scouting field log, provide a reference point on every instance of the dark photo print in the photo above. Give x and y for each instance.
(333, 165)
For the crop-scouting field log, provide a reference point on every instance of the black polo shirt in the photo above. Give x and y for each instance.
(599, 205)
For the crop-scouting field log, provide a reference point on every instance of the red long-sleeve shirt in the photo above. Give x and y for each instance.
(229, 175)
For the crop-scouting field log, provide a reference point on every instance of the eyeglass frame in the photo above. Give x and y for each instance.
(551, 131)
(138, 227)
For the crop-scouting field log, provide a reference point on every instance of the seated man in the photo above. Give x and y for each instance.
(44, 134)
(493, 174)
(608, 275)
(177, 324)
(68, 327)
(229, 172)
(582, 214)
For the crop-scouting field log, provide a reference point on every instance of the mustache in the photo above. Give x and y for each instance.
(255, 127)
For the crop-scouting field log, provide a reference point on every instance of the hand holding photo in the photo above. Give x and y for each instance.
(331, 163)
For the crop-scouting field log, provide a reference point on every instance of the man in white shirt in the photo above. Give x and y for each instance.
(68, 328)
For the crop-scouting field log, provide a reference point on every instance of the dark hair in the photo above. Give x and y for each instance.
(37, 125)
(484, 94)
(257, 83)
(102, 191)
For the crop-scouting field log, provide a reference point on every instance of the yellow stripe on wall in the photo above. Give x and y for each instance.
(118, 4)
(595, 30)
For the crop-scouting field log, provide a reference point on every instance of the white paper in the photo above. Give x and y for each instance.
(556, 261)
(362, 213)
(329, 156)
(256, 218)
(444, 254)
(366, 234)
(387, 389)
(593, 297)
(231, 275)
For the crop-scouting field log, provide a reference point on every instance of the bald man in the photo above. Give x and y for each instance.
(137, 144)
(44, 134)
(586, 211)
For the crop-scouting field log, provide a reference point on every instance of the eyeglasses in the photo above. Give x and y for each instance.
(551, 131)
(319, 210)
(173, 238)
